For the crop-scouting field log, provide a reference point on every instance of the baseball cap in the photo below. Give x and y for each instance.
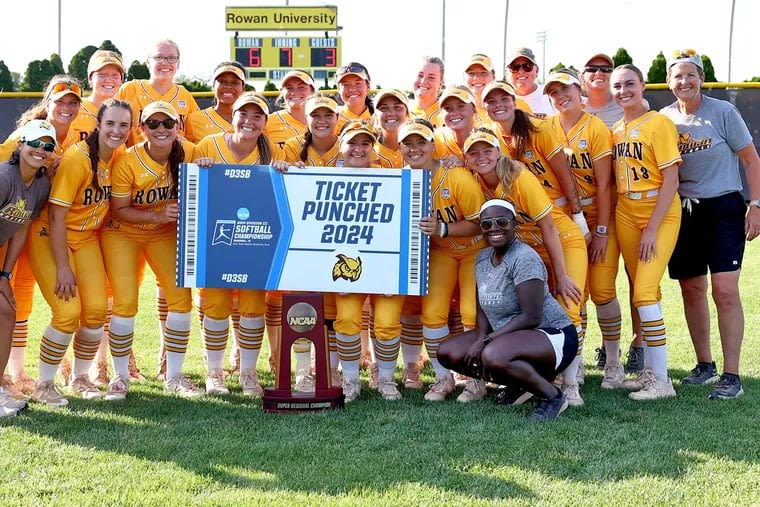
(460, 92)
(482, 60)
(159, 106)
(685, 56)
(352, 69)
(37, 129)
(251, 98)
(605, 57)
(560, 77)
(391, 92)
(356, 127)
(301, 75)
(62, 87)
(500, 203)
(414, 127)
(481, 136)
(231, 68)
(498, 85)
(318, 101)
(522, 53)
(103, 57)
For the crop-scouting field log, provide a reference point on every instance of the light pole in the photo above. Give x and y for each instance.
(541, 37)
(443, 32)
(731, 39)
(504, 48)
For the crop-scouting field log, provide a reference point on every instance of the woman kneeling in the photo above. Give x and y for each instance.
(523, 338)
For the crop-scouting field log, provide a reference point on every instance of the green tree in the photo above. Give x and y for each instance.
(137, 70)
(621, 57)
(55, 61)
(270, 87)
(193, 84)
(658, 71)
(6, 78)
(79, 63)
(38, 73)
(561, 66)
(107, 44)
(16, 80)
(709, 69)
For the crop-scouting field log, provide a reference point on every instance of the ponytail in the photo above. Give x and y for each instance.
(176, 157)
(93, 146)
(521, 133)
(307, 140)
(265, 154)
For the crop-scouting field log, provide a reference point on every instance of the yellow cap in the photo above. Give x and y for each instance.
(318, 101)
(498, 85)
(412, 127)
(159, 106)
(64, 86)
(391, 92)
(251, 98)
(480, 136)
(356, 127)
(460, 92)
(301, 75)
(103, 57)
(228, 67)
(482, 60)
(560, 77)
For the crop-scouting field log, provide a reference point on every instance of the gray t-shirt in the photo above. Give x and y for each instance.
(497, 286)
(19, 204)
(609, 113)
(708, 141)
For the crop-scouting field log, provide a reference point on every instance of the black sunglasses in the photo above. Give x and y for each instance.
(501, 222)
(167, 123)
(607, 69)
(527, 66)
(36, 143)
(352, 68)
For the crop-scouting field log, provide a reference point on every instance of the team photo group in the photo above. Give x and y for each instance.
(536, 191)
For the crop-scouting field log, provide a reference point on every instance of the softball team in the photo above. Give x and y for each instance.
(550, 223)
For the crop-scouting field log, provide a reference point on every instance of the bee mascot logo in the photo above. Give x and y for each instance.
(347, 268)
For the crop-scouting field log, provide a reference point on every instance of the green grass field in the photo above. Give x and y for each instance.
(161, 450)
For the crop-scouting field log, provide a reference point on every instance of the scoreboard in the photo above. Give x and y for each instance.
(273, 57)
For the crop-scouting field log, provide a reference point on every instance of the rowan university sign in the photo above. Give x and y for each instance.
(281, 18)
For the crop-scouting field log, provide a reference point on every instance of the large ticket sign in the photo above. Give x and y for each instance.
(314, 229)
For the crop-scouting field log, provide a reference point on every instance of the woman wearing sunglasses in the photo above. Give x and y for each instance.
(454, 244)
(144, 224)
(246, 144)
(588, 148)
(647, 217)
(714, 141)
(59, 107)
(66, 258)
(596, 83)
(23, 191)
(354, 85)
(163, 63)
(523, 338)
(541, 225)
(427, 86)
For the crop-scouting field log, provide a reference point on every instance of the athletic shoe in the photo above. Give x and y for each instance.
(47, 393)
(572, 395)
(305, 382)
(10, 389)
(548, 409)
(580, 377)
(181, 386)
(117, 389)
(636, 383)
(24, 383)
(9, 403)
(7, 412)
(410, 376)
(352, 388)
(634, 360)
(728, 387)
(614, 376)
(601, 358)
(513, 396)
(215, 383)
(474, 390)
(702, 373)
(374, 372)
(99, 373)
(442, 387)
(653, 388)
(460, 379)
(64, 371)
(274, 361)
(82, 387)
(134, 371)
(336, 378)
(388, 389)
(249, 382)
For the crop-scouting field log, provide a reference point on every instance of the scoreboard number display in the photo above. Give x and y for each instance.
(261, 54)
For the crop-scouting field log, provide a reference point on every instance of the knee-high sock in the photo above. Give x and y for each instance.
(176, 340)
(53, 347)
(86, 344)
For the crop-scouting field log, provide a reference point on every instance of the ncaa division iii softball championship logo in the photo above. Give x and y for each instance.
(302, 317)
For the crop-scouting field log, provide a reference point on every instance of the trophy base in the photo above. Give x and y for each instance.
(283, 401)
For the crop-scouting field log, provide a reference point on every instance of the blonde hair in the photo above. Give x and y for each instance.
(39, 110)
(507, 170)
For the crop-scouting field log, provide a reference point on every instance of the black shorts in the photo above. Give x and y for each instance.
(565, 344)
(711, 237)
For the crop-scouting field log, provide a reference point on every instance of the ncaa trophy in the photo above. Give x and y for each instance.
(303, 317)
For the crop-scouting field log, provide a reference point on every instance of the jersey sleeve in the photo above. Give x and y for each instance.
(469, 195)
(665, 143)
(530, 196)
(122, 178)
(546, 140)
(73, 176)
(601, 139)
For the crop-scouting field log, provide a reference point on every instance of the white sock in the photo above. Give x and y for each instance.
(434, 337)
(386, 356)
(215, 334)
(251, 333)
(177, 338)
(121, 333)
(52, 348)
(349, 351)
(86, 344)
(653, 329)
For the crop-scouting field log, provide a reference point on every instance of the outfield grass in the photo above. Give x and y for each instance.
(161, 450)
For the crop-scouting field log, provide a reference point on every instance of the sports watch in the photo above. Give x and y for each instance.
(755, 202)
(6, 274)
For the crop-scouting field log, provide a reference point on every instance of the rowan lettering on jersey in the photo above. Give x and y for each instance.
(628, 150)
(95, 196)
(585, 161)
(451, 214)
(154, 194)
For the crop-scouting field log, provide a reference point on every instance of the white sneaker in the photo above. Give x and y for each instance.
(352, 388)
(249, 382)
(305, 382)
(117, 389)
(572, 394)
(181, 386)
(215, 383)
(47, 393)
(442, 387)
(653, 389)
(388, 389)
(82, 387)
(614, 376)
(474, 390)
(8, 403)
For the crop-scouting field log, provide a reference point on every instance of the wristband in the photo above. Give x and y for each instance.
(443, 230)
(580, 221)
(755, 202)
(487, 339)
(6, 274)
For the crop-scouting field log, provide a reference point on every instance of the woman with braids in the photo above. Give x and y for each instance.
(145, 210)
(246, 144)
(66, 258)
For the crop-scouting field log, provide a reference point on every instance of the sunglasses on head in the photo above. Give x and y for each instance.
(527, 66)
(352, 68)
(684, 53)
(607, 69)
(167, 123)
(36, 143)
(501, 222)
(60, 87)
